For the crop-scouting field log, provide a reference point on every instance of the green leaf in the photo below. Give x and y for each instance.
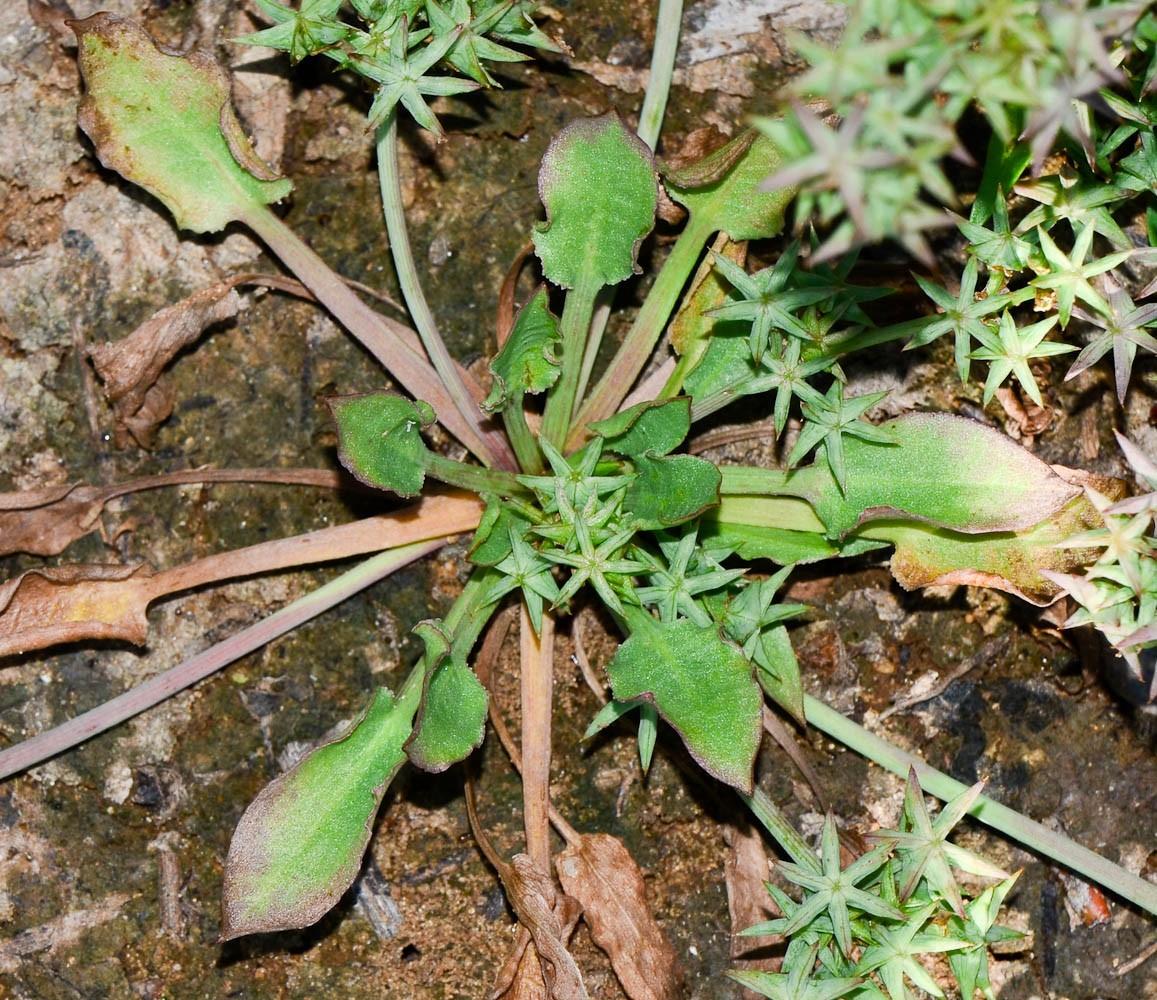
(165, 122)
(491, 542)
(598, 185)
(700, 684)
(670, 490)
(380, 440)
(452, 719)
(724, 191)
(947, 470)
(299, 845)
(655, 427)
(777, 671)
(527, 361)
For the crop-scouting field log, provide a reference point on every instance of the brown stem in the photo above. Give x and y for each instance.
(537, 662)
(433, 516)
(484, 668)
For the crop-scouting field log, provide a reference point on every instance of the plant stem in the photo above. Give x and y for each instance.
(574, 327)
(778, 825)
(644, 333)
(390, 186)
(473, 477)
(395, 355)
(746, 479)
(537, 662)
(662, 69)
(524, 443)
(790, 513)
(157, 689)
(1009, 822)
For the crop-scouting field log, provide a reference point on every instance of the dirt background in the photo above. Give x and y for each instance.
(111, 855)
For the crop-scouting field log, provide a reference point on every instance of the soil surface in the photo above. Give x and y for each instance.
(111, 855)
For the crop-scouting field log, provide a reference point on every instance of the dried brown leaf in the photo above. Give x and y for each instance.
(600, 873)
(46, 522)
(535, 902)
(744, 872)
(130, 367)
(43, 607)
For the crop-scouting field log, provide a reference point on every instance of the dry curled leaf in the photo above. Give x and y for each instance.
(43, 607)
(131, 367)
(600, 873)
(539, 909)
(44, 522)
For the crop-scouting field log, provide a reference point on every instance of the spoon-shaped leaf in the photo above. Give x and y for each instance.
(380, 440)
(722, 191)
(300, 843)
(598, 185)
(165, 122)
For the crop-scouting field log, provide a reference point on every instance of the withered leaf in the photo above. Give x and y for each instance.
(600, 873)
(532, 894)
(535, 902)
(45, 522)
(43, 607)
(131, 367)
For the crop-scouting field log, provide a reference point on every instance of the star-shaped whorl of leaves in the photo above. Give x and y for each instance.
(674, 583)
(831, 416)
(963, 314)
(894, 955)
(524, 568)
(788, 375)
(305, 32)
(796, 984)
(1011, 348)
(1081, 203)
(402, 75)
(1122, 329)
(997, 247)
(979, 928)
(767, 303)
(1068, 274)
(471, 46)
(923, 848)
(833, 890)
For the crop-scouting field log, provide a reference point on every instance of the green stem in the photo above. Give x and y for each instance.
(389, 183)
(640, 341)
(473, 477)
(1012, 824)
(574, 327)
(741, 480)
(790, 513)
(662, 69)
(398, 358)
(524, 444)
(778, 825)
